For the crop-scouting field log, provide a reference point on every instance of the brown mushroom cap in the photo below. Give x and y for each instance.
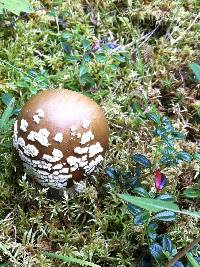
(60, 136)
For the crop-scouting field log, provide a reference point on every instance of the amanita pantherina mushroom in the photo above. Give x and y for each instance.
(60, 137)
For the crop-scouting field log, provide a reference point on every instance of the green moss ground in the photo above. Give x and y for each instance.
(95, 225)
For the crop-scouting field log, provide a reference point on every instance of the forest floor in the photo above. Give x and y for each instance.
(134, 59)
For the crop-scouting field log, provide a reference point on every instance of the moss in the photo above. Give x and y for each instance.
(95, 225)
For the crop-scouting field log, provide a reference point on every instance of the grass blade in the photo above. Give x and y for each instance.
(192, 260)
(7, 114)
(156, 205)
(70, 259)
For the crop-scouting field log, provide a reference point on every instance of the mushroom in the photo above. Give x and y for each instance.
(60, 137)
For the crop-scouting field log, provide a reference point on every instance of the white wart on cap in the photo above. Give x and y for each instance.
(60, 136)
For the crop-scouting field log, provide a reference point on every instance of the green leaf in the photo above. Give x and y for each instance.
(152, 233)
(156, 251)
(87, 79)
(166, 243)
(192, 260)
(139, 158)
(83, 70)
(72, 58)
(6, 98)
(197, 156)
(86, 44)
(134, 209)
(66, 47)
(191, 193)
(141, 218)
(70, 259)
(182, 155)
(167, 124)
(141, 191)
(52, 13)
(196, 70)
(169, 142)
(166, 159)
(120, 58)
(177, 135)
(101, 57)
(66, 35)
(87, 58)
(154, 117)
(16, 6)
(113, 67)
(149, 204)
(166, 216)
(156, 205)
(7, 114)
(166, 197)
(112, 173)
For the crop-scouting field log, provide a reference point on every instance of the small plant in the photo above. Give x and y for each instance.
(31, 81)
(151, 208)
(96, 64)
(70, 259)
(166, 137)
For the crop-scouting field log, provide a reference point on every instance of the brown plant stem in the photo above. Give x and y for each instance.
(183, 252)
